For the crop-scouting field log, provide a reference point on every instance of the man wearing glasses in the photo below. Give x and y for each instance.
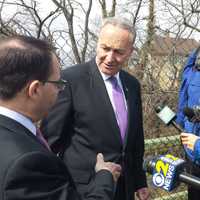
(60, 84)
(29, 85)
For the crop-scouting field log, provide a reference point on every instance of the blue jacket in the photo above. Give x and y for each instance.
(189, 96)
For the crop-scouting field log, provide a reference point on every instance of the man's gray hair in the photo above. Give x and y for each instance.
(122, 23)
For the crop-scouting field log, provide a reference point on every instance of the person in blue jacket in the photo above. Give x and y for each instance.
(189, 96)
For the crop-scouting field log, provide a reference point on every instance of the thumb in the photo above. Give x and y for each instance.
(100, 157)
(100, 162)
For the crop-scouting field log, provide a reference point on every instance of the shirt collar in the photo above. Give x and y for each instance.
(23, 120)
(106, 77)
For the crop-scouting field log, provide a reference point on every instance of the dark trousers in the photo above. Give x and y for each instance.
(193, 193)
(120, 191)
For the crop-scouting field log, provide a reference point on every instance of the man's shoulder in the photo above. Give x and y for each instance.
(129, 77)
(77, 70)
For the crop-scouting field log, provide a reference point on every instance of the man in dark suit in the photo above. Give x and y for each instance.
(100, 111)
(29, 85)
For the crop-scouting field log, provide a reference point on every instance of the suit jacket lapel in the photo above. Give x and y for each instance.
(15, 127)
(131, 103)
(99, 89)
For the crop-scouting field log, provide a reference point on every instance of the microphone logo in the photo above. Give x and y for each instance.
(165, 114)
(164, 169)
(158, 179)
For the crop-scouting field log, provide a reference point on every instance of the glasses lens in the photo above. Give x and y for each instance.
(60, 84)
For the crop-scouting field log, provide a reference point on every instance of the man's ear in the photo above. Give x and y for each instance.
(33, 88)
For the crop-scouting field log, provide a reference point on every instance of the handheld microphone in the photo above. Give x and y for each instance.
(193, 115)
(168, 172)
(167, 116)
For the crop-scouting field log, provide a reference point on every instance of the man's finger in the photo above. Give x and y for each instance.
(100, 157)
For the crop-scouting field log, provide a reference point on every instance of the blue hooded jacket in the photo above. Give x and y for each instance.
(189, 96)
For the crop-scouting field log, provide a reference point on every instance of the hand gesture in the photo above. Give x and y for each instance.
(114, 168)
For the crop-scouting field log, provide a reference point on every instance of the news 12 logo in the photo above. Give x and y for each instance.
(165, 173)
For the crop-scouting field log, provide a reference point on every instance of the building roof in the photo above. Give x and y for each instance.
(163, 46)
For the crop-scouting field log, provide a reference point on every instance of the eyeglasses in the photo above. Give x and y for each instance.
(60, 84)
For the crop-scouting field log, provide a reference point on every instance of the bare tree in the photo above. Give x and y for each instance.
(28, 14)
(185, 13)
(150, 33)
(68, 9)
(104, 9)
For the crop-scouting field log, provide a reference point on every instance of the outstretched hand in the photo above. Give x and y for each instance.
(114, 168)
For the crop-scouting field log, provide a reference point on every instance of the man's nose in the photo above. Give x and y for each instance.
(110, 55)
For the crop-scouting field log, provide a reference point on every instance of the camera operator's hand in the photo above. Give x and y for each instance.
(189, 140)
(114, 168)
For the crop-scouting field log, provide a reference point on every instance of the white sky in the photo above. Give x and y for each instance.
(47, 5)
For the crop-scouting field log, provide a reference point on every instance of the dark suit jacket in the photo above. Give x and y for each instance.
(83, 119)
(29, 171)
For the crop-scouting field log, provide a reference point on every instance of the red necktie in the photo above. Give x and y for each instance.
(42, 139)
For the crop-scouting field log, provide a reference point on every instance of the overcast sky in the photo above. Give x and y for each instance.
(47, 5)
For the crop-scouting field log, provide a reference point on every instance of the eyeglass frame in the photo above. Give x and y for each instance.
(60, 84)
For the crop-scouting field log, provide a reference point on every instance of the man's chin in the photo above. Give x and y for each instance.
(110, 72)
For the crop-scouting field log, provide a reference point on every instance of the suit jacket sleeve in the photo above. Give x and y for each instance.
(139, 174)
(37, 175)
(41, 176)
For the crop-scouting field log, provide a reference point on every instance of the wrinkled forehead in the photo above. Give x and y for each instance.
(115, 37)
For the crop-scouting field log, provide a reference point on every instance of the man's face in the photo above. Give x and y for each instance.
(50, 90)
(113, 49)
